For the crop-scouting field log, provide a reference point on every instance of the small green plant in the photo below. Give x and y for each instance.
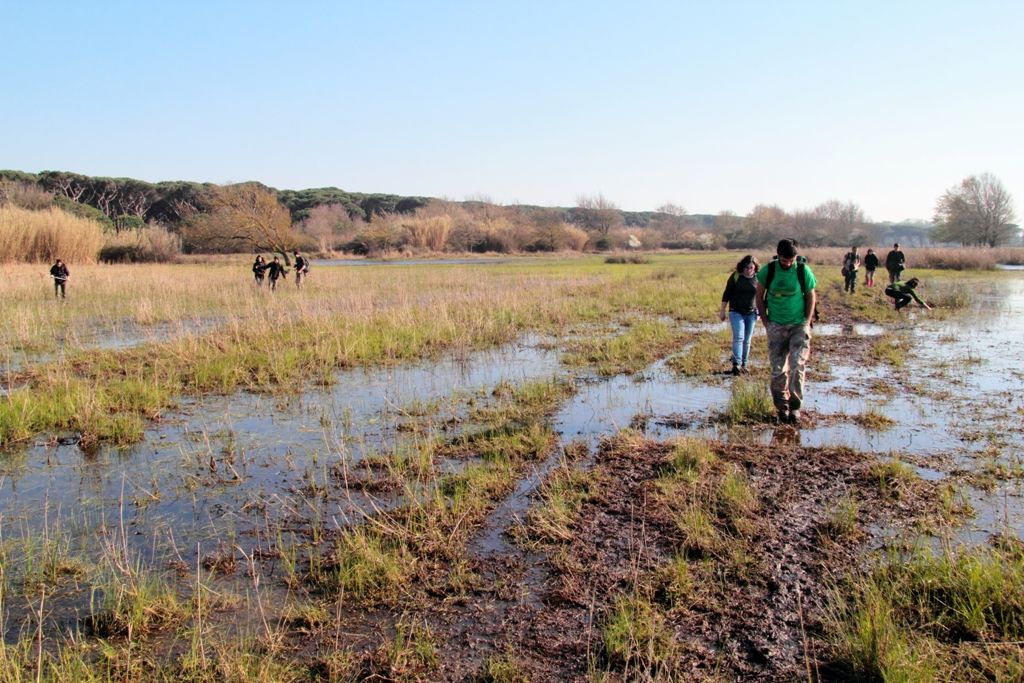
(874, 419)
(892, 477)
(841, 518)
(750, 402)
(689, 459)
(503, 668)
(637, 640)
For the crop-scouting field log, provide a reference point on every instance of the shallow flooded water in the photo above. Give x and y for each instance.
(222, 466)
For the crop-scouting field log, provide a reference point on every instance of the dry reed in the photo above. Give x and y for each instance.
(42, 236)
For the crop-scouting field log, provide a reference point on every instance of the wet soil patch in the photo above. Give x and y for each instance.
(737, 623)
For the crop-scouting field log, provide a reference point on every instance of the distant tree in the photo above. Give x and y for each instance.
(244, 217)
(328, 224)
(597, 214)
(838, 223)
(977, 211)
(672, 209)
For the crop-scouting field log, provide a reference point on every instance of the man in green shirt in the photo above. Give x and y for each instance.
(785, 304)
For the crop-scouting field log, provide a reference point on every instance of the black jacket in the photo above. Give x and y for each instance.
(739, 292)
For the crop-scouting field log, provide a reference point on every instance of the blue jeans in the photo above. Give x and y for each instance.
(742, 332)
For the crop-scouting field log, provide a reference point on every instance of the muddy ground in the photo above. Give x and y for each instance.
(536, 610)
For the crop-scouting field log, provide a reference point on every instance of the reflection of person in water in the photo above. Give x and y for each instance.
(903, 292)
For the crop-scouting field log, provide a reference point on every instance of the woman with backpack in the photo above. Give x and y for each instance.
(739, 293)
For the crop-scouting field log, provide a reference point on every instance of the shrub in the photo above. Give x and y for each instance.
(154, 244)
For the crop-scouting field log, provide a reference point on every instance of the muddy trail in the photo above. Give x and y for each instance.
(750, 609)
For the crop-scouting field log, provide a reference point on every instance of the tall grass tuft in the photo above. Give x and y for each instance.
(42, 236)
(953, 615)
(750, 403)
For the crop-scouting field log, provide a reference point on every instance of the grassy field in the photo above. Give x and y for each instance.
(367, 569)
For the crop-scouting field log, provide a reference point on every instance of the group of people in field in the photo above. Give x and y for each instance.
(783, 297)
(275, 270)
(261, 270)
(902, 292)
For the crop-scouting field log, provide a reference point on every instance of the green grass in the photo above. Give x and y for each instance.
(957, 614)
(841, 518)
(642, 343)
(637, 639)
(874, 419)
(703, 357)
(561, 497)
(892, 477)
(890, 349)
(749, 403)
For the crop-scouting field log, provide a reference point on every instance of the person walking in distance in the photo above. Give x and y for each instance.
(60, 274)
(785, 301)
(851, 262)
(895, 262)
(870, 264)
(274, 271)
(740, 290)
(259, 268)
(301, 268)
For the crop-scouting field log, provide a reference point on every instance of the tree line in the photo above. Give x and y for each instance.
(251, 216)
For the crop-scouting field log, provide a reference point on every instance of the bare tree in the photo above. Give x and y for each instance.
(672, 209)
(328, 224)
(598, 214)
(840, 222)
(245, 216)
(978, 211)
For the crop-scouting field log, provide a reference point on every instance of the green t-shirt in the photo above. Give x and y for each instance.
(785, 299)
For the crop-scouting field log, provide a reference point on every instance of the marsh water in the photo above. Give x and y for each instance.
(220, 468)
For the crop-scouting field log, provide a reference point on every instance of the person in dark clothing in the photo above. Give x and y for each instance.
(739, 293)
(870, 264)
(895, 262)
(275, 270)
(301, 268)
(851, 262)
(903, 292)
(259, 269)
(60, 274)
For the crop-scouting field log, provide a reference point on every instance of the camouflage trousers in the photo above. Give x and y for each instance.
(789, 347)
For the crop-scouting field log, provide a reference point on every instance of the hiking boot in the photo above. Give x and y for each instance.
(782, 416)
(743, 370)
(735, 369)
(794, 417)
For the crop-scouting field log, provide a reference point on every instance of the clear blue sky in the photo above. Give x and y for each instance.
(714, 106)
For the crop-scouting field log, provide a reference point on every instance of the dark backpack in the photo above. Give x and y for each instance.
(801, 277)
